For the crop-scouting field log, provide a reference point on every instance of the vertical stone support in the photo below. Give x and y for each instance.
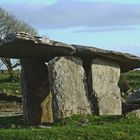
(105, 92)
(68, 87)
(37, 99)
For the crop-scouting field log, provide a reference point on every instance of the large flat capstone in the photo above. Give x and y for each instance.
(68, 87)
(23, 45)
(125, 61)
(37, 99)
(105, 92)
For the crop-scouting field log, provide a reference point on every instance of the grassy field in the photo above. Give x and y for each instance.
(73, 128)
(129, 80)
(133, 78)
(7, 86)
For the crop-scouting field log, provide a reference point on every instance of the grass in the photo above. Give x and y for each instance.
(73, 128)
(133, 78)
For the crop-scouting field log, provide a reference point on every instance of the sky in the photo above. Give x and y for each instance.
(106, 24)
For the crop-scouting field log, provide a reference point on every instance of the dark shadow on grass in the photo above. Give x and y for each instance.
(78, 120)
(4, 80)
(16, 122)
(8, 80)
(11, 122)
(134, 77)
(10, 98)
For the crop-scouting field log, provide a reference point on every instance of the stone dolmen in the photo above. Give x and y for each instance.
(60, 80)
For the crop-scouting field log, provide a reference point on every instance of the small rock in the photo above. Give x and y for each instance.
(134, 97)
(43, 126)
(106, 96)
(68, 87)
(134, 114)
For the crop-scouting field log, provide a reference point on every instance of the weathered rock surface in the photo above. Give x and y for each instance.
(134, 114)
(8, 109)
(124, 60)
(23, 45)
(105, 93)
(68, 87)
(37, 100)
(134, 98)
(132, 102)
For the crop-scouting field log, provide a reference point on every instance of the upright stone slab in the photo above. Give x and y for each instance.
(68, 87)
(105, 92)
(37, 99)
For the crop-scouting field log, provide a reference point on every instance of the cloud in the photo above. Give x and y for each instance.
(133, 49)
(27, 1)
(67, 14)
(106, 29)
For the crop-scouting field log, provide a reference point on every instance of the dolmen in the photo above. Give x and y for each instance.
(59, 80)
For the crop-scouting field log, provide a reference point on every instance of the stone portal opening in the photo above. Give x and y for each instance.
(61, 88)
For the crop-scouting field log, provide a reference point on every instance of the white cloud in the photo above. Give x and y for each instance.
(106, 29)
(114, 1)
(130, 49)
(29, 2)
(93, 16)
(65, 14)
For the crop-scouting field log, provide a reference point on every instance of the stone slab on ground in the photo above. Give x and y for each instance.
(68, 87)
(105, 92)
(37, 100)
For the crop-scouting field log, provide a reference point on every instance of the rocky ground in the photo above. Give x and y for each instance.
(10, 109)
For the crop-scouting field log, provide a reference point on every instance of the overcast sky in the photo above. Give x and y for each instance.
(107, 24)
